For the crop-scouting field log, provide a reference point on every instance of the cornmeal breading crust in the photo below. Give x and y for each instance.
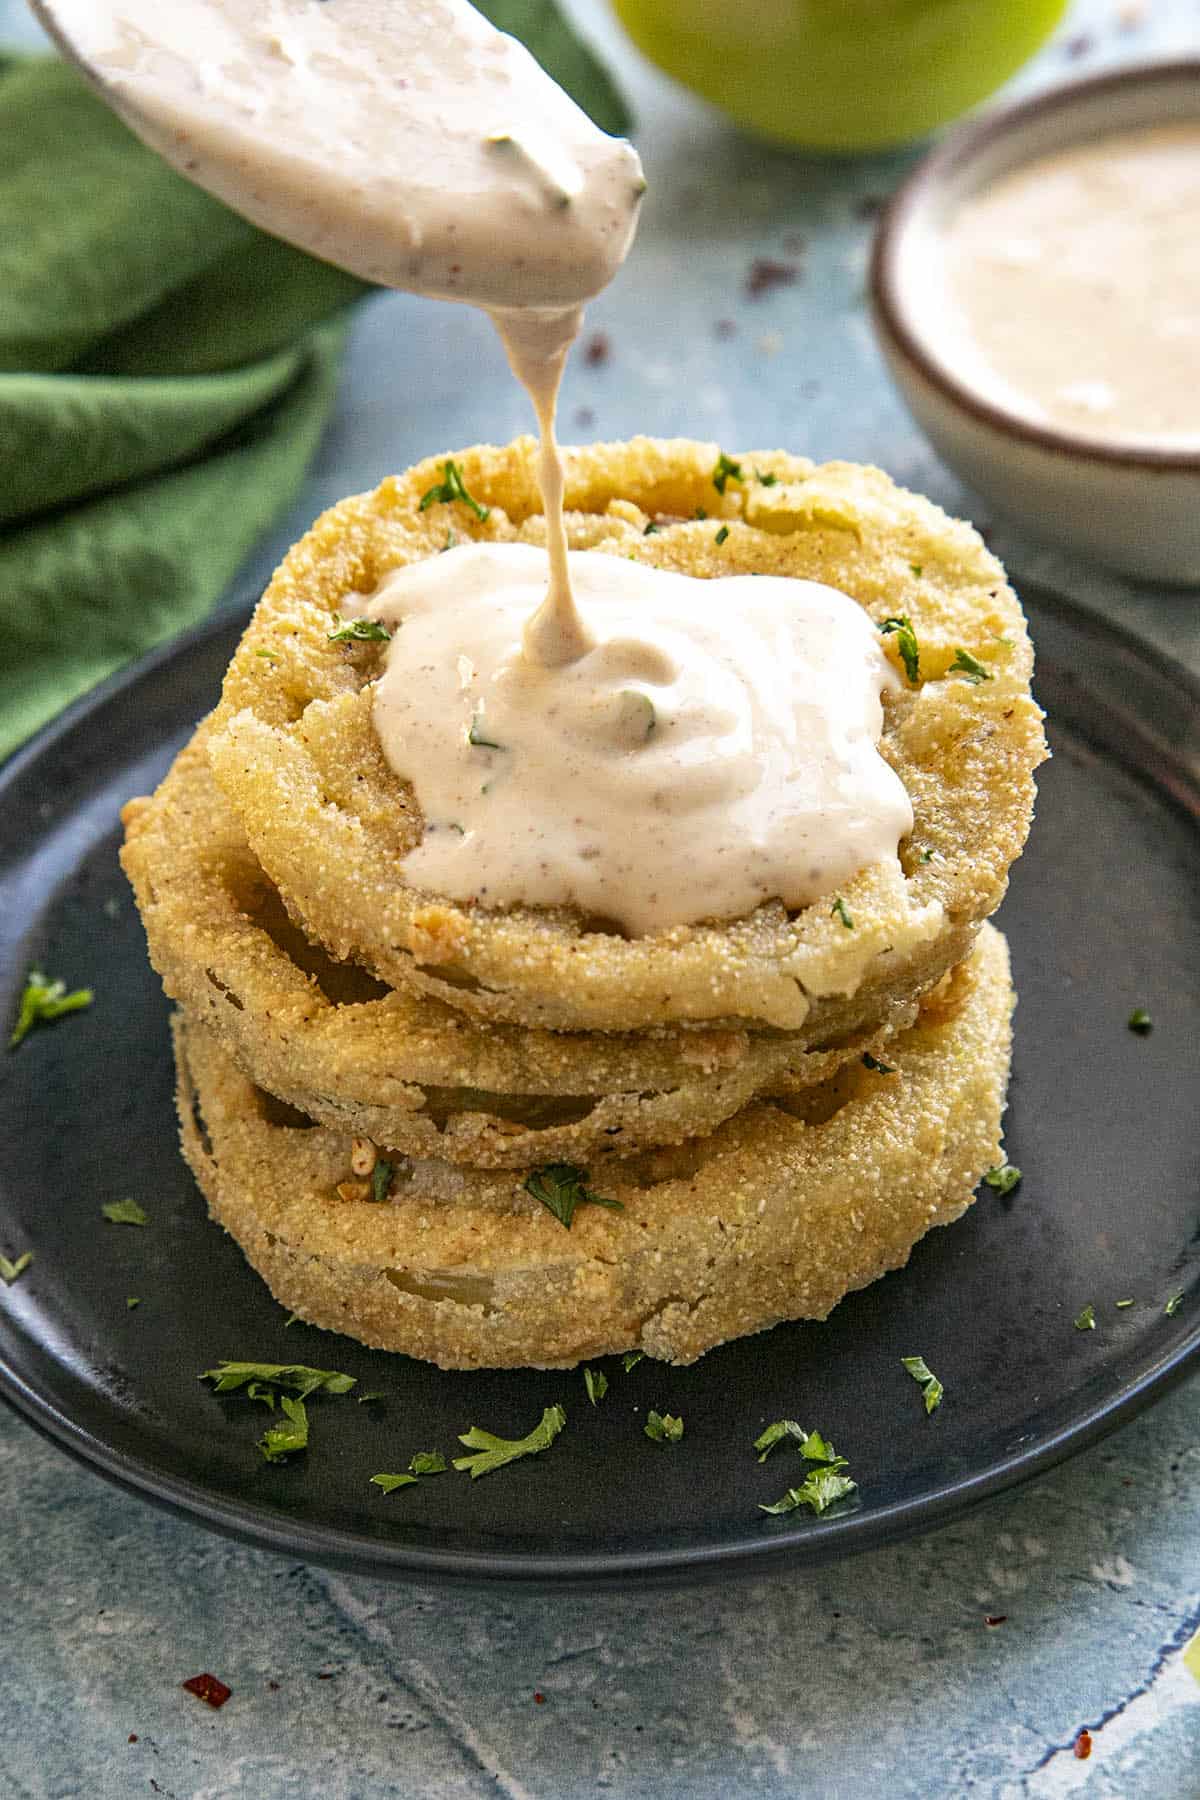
(296, 753)
(776, 1216)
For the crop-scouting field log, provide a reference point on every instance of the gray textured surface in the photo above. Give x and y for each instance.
(877, 1677)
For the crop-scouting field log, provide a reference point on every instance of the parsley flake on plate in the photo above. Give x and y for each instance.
(596, 1383)
(425, 1462)
(450, 488)
(358, 631)
(1085, 1320)
(820, 1489)
(44, 1000)
(725, 471)
(931, 1387)
(124, 1212)
(1004, 1178)
(811, 1445)
(1173, 1304)
(842, 913)
(389, 1483)
(12, 1271)
(493, 1452)
(561, 1187)
(132, 1300)
(1140, 1022)
(969, 667)
(901, 627)
(767, 480)
(279, 1441)
(663, 1428)
(227, 1377)
(722, 534)
(631, 1359)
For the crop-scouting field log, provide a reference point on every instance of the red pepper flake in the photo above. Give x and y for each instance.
(214, 1693)
(539, 1699)
(765, 274)
(597, 350)
(994, 1618)
(1083, 1745)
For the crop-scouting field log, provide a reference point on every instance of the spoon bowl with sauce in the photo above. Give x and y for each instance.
(1034, 288)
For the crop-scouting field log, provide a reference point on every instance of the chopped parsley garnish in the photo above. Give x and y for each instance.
(823, 1484)
(381, 1179)
(726, 470)
(1086, 1320)
(917, 570)
(631, 1359)
(700, 513)
(721, 535)
(930, 1386)
(229, 1376)
(906, 643)
(840, 910)
(425, 1462)
(358, 631)
(493, 1452)
(561, 1187)
(389, 1483)
(813, 1447)
(651, 528)
(12, 1271)
(44, 1000)
(1123, 1303)
(124, 1212)
(820, 1489)
(362, 1399)
(450, 488)
(1173, 1304)
(278, 1441)
(132, 1301)
(664, 1428)
(1004, 1178)
(596, 1383)
(475, 735)
(969, 667)
(877, 1068)
(450, 543)
(767, 480)
(1141, 1022)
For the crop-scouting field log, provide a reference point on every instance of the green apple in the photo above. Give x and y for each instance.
(840, 74)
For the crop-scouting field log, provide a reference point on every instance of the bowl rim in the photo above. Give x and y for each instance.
(960, 148)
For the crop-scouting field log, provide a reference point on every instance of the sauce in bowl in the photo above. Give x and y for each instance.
(1074, 287)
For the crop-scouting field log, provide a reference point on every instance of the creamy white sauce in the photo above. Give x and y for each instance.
(715, 747)
(1076, 284)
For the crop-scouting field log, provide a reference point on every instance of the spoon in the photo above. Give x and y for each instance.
(406, 140)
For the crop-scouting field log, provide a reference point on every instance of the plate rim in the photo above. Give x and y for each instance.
(750, 1552)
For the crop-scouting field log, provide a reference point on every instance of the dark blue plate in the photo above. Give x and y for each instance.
(1102, 917)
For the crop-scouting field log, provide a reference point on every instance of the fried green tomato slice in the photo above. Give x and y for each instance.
(399, 1067)
(296, 752)
(786, 1208)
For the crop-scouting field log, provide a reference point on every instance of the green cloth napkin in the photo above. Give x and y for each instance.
(165, 373)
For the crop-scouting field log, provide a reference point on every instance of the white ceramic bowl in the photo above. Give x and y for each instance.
(1133, 507)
